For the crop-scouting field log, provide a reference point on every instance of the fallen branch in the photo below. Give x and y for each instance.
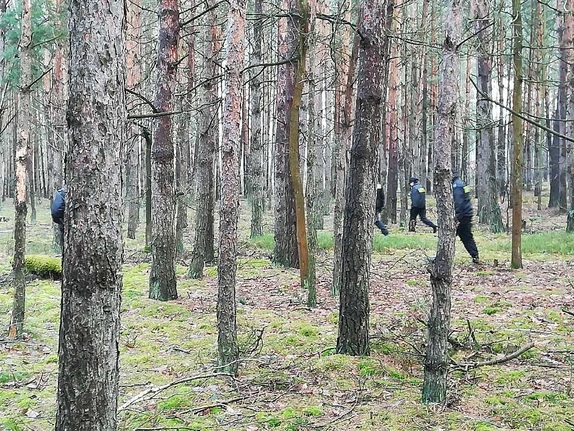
(154, 390)
(564, 310)
(498, 360)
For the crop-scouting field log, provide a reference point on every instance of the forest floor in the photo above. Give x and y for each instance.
(290, 377)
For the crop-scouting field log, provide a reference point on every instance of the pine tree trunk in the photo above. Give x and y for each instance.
(343, 139)
(92, 268)
(23, 150)
(286, 251)
(517, 138)
(437, 359)
(229, 208)
(205, 157)
(353, 336)
(162, 280)
(255, 161)
(132, 81)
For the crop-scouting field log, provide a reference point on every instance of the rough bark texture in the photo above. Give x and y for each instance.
(517, 138)
(437, 359)
(353, 337)
(92, 269)
(286, 251)
(255, 160)
(302, 30)
(134, 144)
(569, 43)
(162, 281)
(488, 210)
(229, 212)
(23, 150)
(343, 143)
(205, 159)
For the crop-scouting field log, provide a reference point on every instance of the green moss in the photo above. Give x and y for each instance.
(369, 367)
(43, 266)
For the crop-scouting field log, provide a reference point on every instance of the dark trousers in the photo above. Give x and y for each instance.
(381, 225)
(464, 232)
(422, 213)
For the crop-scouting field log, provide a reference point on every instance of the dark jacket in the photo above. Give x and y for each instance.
(462, 203)
(380, 200)
(58, 206)
(418, 196)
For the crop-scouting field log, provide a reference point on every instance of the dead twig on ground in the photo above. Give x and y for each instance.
(497, 361)
(154, 390)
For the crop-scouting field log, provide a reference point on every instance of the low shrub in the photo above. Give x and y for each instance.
(43, 266)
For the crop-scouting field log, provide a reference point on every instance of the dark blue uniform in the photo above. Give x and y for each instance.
(418, 206)
(379, 204)
(463, 212)
(57, 208)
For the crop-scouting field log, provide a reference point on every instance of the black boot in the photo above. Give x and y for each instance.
(412, 225)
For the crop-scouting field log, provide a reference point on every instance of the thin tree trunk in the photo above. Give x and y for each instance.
(162, 280)
(92, 269)
(229, 208)
(255, 161)
(133, 80)
(205, 157)
(437, 359)
(23, 150)
(353, 336)
(286, 250)
(517, 138)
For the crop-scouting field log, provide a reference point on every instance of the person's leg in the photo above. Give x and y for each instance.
(425, 220)
(413, 219)
(381, 225)
(464, 231)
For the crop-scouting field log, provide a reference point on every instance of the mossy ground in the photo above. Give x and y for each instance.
(291, 379)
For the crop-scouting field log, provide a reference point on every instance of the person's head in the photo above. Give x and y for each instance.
(413, 181)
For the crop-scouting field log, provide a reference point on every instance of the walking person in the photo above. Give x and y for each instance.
(379, 204)
(463, 212)
(57, 210)
(418, 206)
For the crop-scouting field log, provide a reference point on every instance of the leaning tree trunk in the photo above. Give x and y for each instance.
(92, 269)
(286, 251)
(205, 158)
(229, 212)
(437, 358)
(353, 337)
(23, 148)
(517, 138)
(162, 280)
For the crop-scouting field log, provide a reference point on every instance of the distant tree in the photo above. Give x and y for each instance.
(353, 337)
(92, 268)
(517, 137)
(21, 162)
(208, 138)
(162, 280)
(437, 359)
(255, 159)
(229, 208)
(488, 209)
(286, 251)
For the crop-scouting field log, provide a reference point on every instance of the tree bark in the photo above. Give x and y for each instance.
(229, 208)
(92, 268)
(162, 280)
(437, 359)
(255, 160)
(22, 160)
(353, 336)
(132, 81)
(517, 138)
(205, 158)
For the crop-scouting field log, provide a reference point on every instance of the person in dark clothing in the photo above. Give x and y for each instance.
(57, 209)
(380, 203)
(463, 212)
(418, 206)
